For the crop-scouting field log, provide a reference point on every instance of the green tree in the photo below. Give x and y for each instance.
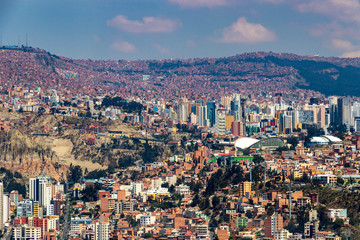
(339, 223)
(204, 203)
(338, 130)
(340, 181)
(293, 141)
(41, 111)
(215, 201)
(147, 235)
(74, 174)
(195, 201)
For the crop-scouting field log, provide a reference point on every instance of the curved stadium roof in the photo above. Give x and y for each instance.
(325, 139)
(319, 140)
(245, 142)
(333, 138)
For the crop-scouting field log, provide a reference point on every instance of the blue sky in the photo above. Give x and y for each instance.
(158, 29)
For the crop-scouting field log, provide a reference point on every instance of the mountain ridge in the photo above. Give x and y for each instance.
(267, 72)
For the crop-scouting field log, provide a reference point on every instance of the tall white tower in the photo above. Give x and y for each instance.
(1, 206)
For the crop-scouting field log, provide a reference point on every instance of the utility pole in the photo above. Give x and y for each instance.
(250, 167)
(290, 201)
(265, 172)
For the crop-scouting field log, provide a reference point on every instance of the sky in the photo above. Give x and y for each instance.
(163, 29)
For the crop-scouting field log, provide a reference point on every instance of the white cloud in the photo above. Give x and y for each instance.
(335, 30)
(161, 49)
(353, 54)
(342, 45)
(147, 25)
(244, 32)
(343, 10)
(123, 46)
(272, 1)
(200, 3)
(345, 46)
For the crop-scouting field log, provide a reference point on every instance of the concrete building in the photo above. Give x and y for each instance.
(220, 121)
(40, 189)
(124, 206)
(1, 206)
(344, 112)
(156, 182)
(273, 224)
(203, 118)
(24, 209)
(101, 231)
(146, 219)
(26, 232)
(136, 187)
(245, 189)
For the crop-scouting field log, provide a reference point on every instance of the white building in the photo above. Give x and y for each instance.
(203, 118)
(25, 232)
(182, 190)
(24, 208)
(283, 234)
(160, 191)
(40, 190)
(52, 223)
(171, 179)
(101, 231)
(136, 187)
(47, 195)
(202, 230)
(146, 219)
(220, 121)
(59, 188)
(156, 182)
(1, 206)
(6, 208)
(50, 210)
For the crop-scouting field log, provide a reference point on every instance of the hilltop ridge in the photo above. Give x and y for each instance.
(260, 72)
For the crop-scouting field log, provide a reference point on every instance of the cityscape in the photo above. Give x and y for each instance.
(178, 119)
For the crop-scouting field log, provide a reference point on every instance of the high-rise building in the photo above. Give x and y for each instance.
(47, 194)
(50, 210)
(318, 114)
(229, 119)
(101, 231)
(310, 229)
(40, 190)
(36, 209)
(183, 112)
(357, 124)
(24, 208)
(57, 206)
(273, 224)
(220, 121)
(226, 101)
(237, 128)
(203, 118)
(236, 107)
(211, 107)
(6, 208)
(14, 196)
(136, 187)
(25, 232)
(1, 206)
(245, 189)
(344, 112)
